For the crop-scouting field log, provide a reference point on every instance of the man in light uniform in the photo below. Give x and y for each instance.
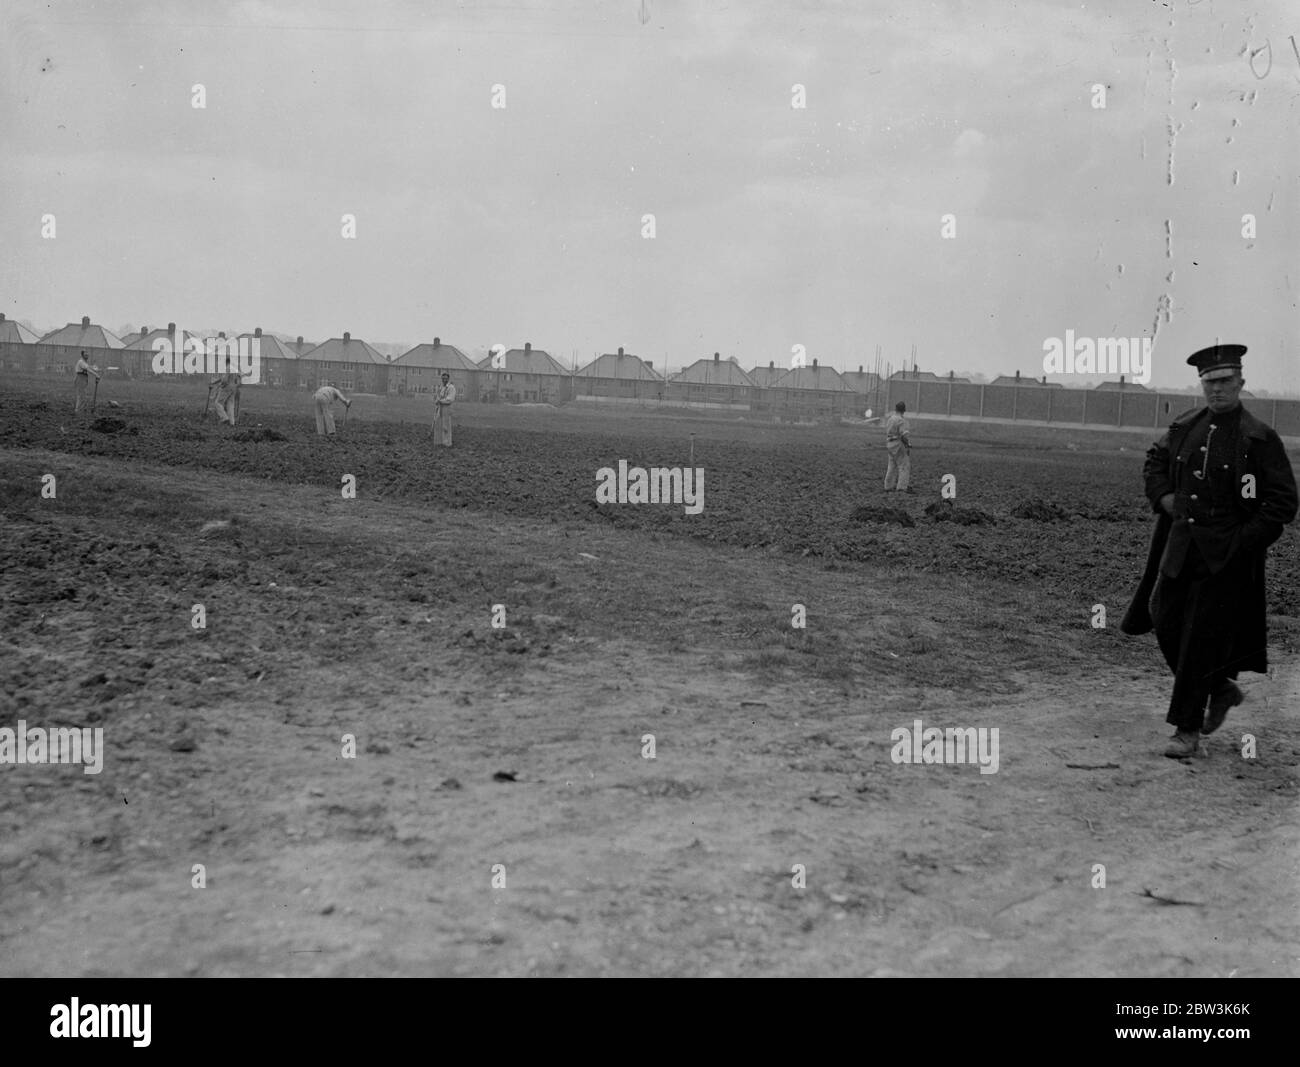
(227, 386)
(899, 447)
(325, 397)
(445, 397)
(82, 381)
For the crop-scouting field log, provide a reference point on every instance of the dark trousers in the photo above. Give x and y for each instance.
(1196, 617)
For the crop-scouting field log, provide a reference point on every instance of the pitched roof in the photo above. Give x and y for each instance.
(12, 331)
(83, 334)
(145, 341)
(345, 349)
(864, 380)
(914, 376)
(437, 355)
(620, 364)
(823, 379)
(714, 371)
(1126, 386)
(1010, 379)
(271, 347)
(526, 360)
(765, 376)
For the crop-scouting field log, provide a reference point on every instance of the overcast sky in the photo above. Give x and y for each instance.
(774, 225)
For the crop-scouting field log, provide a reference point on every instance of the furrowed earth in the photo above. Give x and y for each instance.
(514, 755)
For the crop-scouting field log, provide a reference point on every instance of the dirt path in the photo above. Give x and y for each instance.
(771, 751)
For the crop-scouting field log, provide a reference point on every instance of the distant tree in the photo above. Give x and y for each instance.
(124, 330)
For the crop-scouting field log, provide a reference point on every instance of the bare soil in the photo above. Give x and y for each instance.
(523, 746)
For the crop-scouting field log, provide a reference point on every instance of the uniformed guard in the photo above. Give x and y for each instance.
(1222, 487)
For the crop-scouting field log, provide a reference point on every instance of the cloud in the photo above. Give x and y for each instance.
(967, 142)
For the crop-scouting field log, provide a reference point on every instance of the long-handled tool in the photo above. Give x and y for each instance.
(207, 402)
(95, 395)
(346, 409)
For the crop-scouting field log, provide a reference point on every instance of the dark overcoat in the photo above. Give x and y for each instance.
(1260, 453)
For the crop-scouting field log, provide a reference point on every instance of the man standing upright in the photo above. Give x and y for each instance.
(1222, 487)
(446, 396)
(325, 397)
(81, 382)
(899, 447)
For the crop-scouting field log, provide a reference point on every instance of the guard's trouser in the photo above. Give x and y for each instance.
(899, 473)
(1196, 617)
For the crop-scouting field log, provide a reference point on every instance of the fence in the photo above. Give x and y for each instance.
(1135, 408)
(1132, 407)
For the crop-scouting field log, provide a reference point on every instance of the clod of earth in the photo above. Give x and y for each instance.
(108, 424)
(868, 513)
(261, 433)
(1037, 510)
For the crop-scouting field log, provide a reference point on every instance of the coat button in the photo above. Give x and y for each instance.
(1194, 497)
(1204, 449)
(1191, 520)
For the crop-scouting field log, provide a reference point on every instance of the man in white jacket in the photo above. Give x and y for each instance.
(445, 397)
(325, 397)
(82, 381)
(899, 446)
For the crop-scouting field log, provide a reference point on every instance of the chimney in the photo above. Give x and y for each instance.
(716, 356)
(347, 337)
(1121, 381)
(859, 368)
(771, 364)
(222, 335)
(85, 321)
(1044, 379)
(1017, 376)
(300, 340)
(951, 375)
(814, 363)
(2, 316)
(437, 342)
(257, 332)
(171, 327)
(620, 350)
(528, 346)
(145, 331)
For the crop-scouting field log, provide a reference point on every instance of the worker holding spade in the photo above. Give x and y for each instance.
(325, 397)
(445, 397)
(227, 386)
(898, 445)
(82, 381)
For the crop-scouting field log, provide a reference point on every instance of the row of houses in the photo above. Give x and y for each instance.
(527, 374)
(524, 374)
